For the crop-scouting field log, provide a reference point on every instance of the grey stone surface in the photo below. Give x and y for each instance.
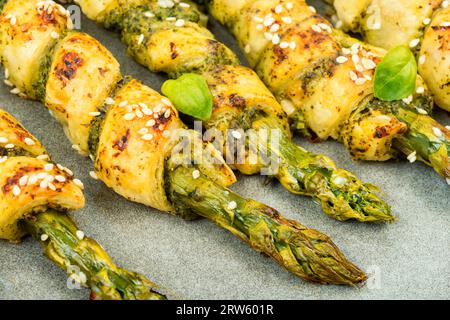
(198, 260)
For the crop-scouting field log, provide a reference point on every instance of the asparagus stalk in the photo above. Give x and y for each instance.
(305, 252)
(57, 233)
(340, 193)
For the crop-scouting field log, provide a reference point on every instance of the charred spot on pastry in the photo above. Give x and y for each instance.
(173, 50)
(14, 180)
(67, 68)
(122, 143)
(237, 100)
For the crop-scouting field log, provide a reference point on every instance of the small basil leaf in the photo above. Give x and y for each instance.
(395, 76)
(190, 95)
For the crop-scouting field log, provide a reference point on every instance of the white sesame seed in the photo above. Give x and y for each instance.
(286, 20)
(368, 64)
(195, 174)
(79, 234)
(150, 123)
(279, 9)
(32, 180)
(167, 114)
(147, 137)
(94, 113)
(6, 73)
(340, 180)
(143, 131)
(129, 116)
(426, 21)
(268, 21)
(44, 237)
(49, 178)
(448, 181)
(289, 5)
(29, 141)
(414, 43)
(445, 4)
(42, 175)
(60, 178)
(43, 157)
(445, 24)
(232, 205)
(78, 183)
(276, 39)
(274, 28)
(339, 24)
(148, 14)
(54, 35)
(447, 127)
(412, 157)
(421, 111)
(123, 103)
(324, 27)
(341, 59)
(316, 28)
(408, 99)
(236, 134)
(293, 45)
(353, 75)
(360, 81)
(313, 10)
(8, 83)
(23, 180)
(51, 186)
(284, 45)
(3, 140)
(15, 91)
(437, 132)
(93, 175)
(76, 147)
(48, 167)
(68, 171)
(420, 90)
(422, 59)
(184, 5)
(3, 159)
(13, 20)
(161, 127)
(140, 39)
(9, 146)
(171, 19)
(259, 27)
(43, 184)
(258, 19)
(179, 23)
(166, 102)
(268, 36)
(109, 101)
(247, 48)
(139, 113)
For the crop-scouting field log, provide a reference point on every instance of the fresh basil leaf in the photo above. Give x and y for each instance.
(395, 76)
(190, 95)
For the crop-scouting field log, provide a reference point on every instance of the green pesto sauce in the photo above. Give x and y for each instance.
(97, 123)
(14, 152)
(45, 64)
(2, 4)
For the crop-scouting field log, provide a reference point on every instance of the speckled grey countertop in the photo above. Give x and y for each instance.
(198, 260)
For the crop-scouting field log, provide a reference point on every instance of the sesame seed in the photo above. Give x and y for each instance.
(293, 45)
(23, 180)
(161, 127)
(15, 91)
(143, 131)
(247, 48)
(49, 178)
(76, 147)
(324, 27)
(276, 39)
(421, 111)
(316, 28)
(353, 75)
(68, 171)
(447, 127)
(166, 133)
(268, 21)
(109, 101)
(79, 234)
(286, 20)
(13, 20)
(6, 73)
(78, 183)
(123, 103)
(232, 205)
(60, 178)
(236, 134)
(140, 39)
(408, 99)
(139, 114)
(422, 59)
(147, 137)
(274, 28)
(93, 175)
(150, 123)
(426, 21)
(94, 114)
(29, 141)
(268, 36)
(420, 90)
(445, 24)
(3, 140)
(258, 19)
(41, 175)
(284, 45)
(368, 64)
(279, 9)
(340, 180)
(148, 14)
(171, 19)
(414, 43)
(184, 5)
(412, 157)
(43, 184)
(445, 4)
(448, 181)
(289, 5)
(339, 24)
(129, 116)
(54, 35)
(48, 167)
(259, 27)
(8, 83)
(360, 81)
(167, 114)
(195, 174)
(437, 132)
(3, 159)
(51, 186)
(341, 59)
(179, 23)
(166, 102)
(9, 146)
(32, 180)
(313, 10)
(44, 237)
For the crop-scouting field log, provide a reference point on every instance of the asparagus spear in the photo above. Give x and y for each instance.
(340, 193)
(305, 252)
(57, 234)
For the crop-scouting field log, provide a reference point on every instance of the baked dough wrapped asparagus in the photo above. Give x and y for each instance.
(424, 25)
(139, 145)
(169, 37)
(34, 197)
(323, 79)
